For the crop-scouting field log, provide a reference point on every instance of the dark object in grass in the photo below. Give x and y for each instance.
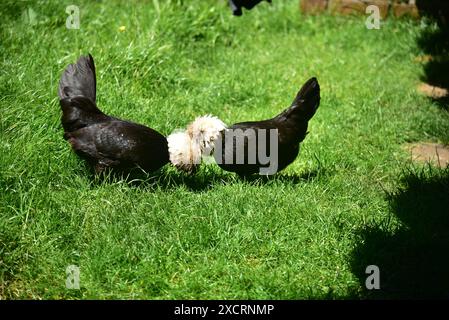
(291, 127)
(104, 141)
(236, 5)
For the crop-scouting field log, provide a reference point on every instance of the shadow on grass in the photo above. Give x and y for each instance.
(205, 179)
(413, 260)
(435, 42)
(436, 73)
(435, 9)
(282, 177)
(13, 9)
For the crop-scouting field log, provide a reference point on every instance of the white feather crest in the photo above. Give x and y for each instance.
(184, 154)
(204, 131)
(186, 148)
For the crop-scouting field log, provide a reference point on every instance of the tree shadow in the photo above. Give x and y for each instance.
(434, 9)
(436, 73)
(414, 259)
(435, 42)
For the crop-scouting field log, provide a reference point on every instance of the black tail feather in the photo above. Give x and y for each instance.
(79, 80)
(77, 94)
(305, 103)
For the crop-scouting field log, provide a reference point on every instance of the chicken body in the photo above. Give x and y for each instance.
(289, 129)
(104, 141)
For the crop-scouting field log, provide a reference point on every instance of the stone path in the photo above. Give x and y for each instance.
(434, 153)
(432, 91)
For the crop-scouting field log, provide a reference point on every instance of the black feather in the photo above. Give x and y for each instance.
(104, 141)
(237, 5)
(291, 126)
(79, 80)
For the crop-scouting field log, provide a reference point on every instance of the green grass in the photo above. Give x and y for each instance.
(299, 234)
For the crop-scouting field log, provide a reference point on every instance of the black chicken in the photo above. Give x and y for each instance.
(289, 128)
(104, 141)
(236, 5)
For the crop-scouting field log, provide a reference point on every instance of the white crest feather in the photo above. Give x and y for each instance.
(184, 155)
(186, 148)
(204, 131)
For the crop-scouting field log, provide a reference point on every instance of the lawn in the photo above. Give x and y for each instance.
(352, 198)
